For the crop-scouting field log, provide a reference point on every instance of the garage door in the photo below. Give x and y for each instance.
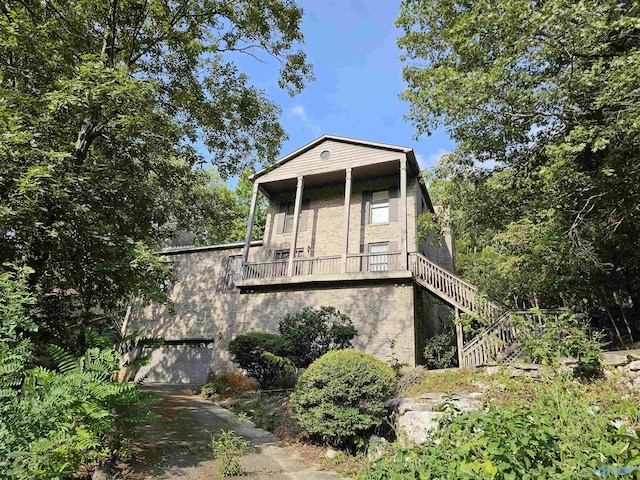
(184, 362)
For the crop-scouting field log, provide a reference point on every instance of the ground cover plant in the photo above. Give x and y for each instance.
(270, 411)
(419, 380)
(556, 427)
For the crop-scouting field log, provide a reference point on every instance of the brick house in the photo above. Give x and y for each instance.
(340, 231)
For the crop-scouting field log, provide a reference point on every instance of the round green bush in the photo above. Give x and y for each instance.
(341, 395)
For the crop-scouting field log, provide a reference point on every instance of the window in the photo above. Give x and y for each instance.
(232, 272)
(380, 206)
(281, 258)
(379, 263)
(285, 220)
(288, 221)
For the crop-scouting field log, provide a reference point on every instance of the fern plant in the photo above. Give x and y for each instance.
(76, 414)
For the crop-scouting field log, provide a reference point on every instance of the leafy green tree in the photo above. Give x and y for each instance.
(541, 98)
(232, 212)
(101, 104)
(244, 192)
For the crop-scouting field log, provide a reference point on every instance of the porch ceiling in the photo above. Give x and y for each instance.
(335, 177)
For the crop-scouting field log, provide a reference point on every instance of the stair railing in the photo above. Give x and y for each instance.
(453, 289)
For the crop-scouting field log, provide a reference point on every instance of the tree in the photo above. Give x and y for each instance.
(232, 212)
(101, 106)
(542, 99)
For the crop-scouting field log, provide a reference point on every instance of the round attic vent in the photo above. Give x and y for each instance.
(325, 155)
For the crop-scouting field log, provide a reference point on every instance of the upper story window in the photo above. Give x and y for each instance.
(285, 217)
(288, 221)
(380, 206)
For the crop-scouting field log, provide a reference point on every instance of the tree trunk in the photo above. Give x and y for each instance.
(87, 134)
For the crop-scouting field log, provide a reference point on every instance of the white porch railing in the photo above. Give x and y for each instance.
(318, 266)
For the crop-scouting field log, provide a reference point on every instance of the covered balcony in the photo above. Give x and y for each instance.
(359, 267)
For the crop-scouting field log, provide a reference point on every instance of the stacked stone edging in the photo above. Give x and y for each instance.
(414, 417)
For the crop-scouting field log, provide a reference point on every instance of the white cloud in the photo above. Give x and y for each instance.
(300, 112)
(432, 159)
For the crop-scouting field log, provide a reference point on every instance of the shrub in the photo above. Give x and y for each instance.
(247, 351)
(339, 398)
(310, 333)
(228, 383)
(562, 335)
(439, 351)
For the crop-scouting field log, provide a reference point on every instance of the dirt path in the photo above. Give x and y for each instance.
(177, 444)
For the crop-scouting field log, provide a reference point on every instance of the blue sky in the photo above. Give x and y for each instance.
(352, 46)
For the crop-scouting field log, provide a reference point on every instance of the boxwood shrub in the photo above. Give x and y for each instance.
(340, 397)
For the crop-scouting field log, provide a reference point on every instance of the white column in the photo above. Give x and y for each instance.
(403, 213)
(252, 213)
(345, 232)
(294, 230)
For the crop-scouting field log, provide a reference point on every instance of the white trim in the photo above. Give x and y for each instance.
(317, 141)
(172, 250)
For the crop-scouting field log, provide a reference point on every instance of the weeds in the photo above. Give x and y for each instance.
(227, 449)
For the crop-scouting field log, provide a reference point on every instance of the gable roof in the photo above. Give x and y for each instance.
(353, 141)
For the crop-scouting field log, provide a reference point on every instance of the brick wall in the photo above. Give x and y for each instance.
(380, 311)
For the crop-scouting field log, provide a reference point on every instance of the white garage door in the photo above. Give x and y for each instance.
(178, 362)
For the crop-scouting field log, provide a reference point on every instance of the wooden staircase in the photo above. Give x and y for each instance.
(498, 342)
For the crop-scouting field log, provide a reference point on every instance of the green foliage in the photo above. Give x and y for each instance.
(61, 419)
(304, 337)
(284, 363)
(227, 448)
(102, 107)
(340, 397)
(440, 350)
(560, 435)
(542, 186)
(545, 338)
(395, 364)
(247, 351)
(269, 411)
(233, 208)
(312, 332)
(16, 351)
